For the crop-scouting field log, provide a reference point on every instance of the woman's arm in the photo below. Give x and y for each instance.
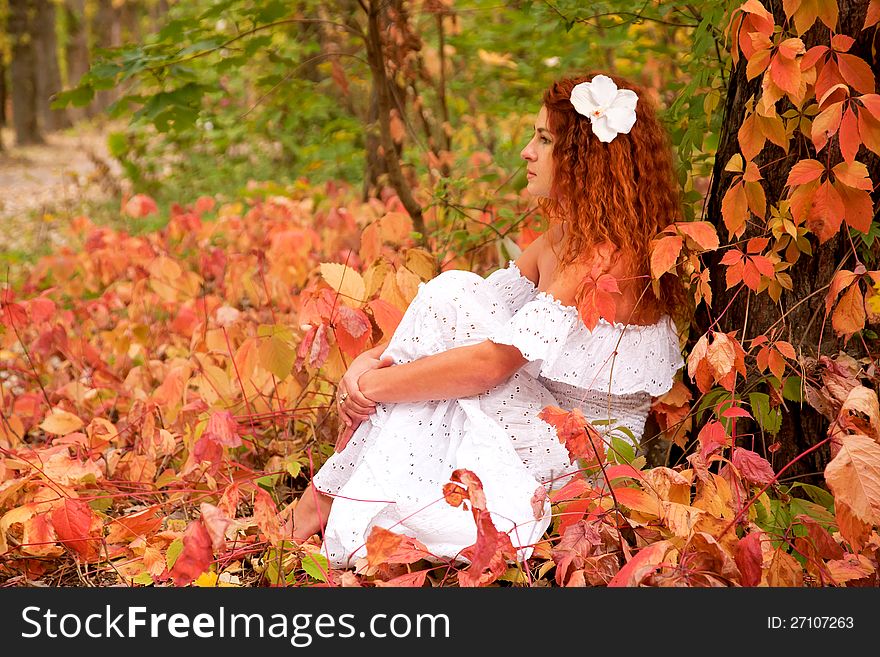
(458, 372)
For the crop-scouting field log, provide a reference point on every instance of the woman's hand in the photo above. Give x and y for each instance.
(354, 407)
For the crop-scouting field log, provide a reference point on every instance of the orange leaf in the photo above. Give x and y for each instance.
(826, 213)
(216, 522)
(644, 563)
(387, 316)
(858, 208)
(842, 279)
(849, 316)
(873, 15)
(384, 546)
(857, 73)
(266, 517)
(735, 208)
(853, 174)
(638, 500)
(664, 254)
(825, 125)
(140, 524)
(869, 131)
(849, 135)
(852, 566)
(854, 477)
(196, 557)
(701, 232)
(805, 171)
(411, 580)
(784, 570)
(751, 139)
(828, 12)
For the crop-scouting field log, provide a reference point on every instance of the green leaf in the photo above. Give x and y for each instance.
(769, 419)
(78, 97)
(818, 495)
(117, 144)
(792, 389)
(267, 482)
(316, 565)
(173, 552)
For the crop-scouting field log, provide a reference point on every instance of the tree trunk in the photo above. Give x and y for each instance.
(157, 11)
(3, 94)
(107, 31)
(130, 20)
(802, 426)
(77, 53)
(24, 73)
(48, 73)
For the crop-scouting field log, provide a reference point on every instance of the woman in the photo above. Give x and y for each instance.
(475, 360)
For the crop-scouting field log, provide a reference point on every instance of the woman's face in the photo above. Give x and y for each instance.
(538, 155)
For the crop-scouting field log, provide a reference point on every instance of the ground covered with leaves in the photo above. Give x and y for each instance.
(166, 396)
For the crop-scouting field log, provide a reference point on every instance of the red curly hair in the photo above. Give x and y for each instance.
(623, 192)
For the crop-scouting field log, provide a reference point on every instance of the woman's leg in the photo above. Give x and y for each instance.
(310, 513)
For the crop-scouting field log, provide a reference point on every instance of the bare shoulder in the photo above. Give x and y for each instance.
(528, 259)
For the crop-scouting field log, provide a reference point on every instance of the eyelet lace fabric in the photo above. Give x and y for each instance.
(391, 473)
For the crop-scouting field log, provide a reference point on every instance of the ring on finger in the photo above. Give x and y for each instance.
(343, 397)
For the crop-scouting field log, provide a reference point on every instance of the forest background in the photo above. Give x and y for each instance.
(280, 177)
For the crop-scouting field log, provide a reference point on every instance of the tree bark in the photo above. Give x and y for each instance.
(753, 314)
(21, 29)
(107, 31)
(48, 73)
(385, 102)
(77, 53)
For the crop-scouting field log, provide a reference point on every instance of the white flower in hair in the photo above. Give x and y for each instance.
(611, 110)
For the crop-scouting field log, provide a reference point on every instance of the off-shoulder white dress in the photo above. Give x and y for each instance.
(392, 471)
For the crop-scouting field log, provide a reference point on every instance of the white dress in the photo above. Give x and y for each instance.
(391, 473)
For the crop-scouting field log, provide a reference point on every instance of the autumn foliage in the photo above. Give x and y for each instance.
(165, 397)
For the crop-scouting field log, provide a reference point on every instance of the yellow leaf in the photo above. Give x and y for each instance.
(407, 283)
(61, 423)
(421, 263)
(206, 580)
(346, 281)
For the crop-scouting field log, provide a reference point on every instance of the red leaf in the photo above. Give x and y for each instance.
(352, 330)
(749, 559)
(139, 206)
(488, 556)
(223, 428)
(580, 438)
(596, 298)
(712, 437)
(578, 542)
(826, 546)
(752, 467)
(873, 15)
(75, 526)
(196, 557)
